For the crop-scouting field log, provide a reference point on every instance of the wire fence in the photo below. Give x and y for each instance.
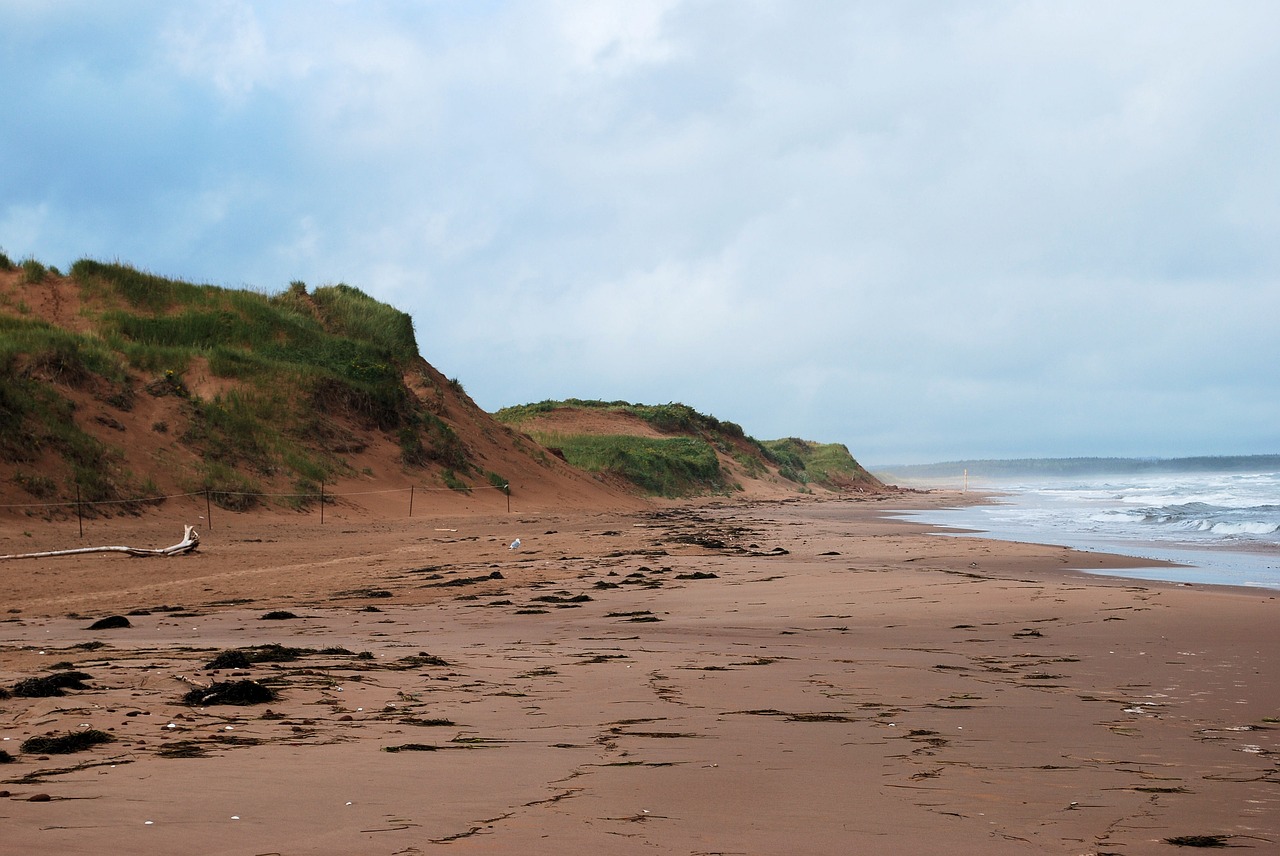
(224, 500)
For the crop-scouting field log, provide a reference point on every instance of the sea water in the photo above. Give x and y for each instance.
(1224, 528)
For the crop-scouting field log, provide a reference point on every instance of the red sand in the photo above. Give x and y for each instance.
(872, 689)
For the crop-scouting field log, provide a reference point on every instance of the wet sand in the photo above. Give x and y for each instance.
(773, 678)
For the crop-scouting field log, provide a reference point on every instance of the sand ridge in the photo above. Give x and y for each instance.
(814, 677)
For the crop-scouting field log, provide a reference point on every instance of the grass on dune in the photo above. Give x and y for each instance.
(296, 358)
(671, 467)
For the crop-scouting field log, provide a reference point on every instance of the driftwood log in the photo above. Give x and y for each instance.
(190, 541)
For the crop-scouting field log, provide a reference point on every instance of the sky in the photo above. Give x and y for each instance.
(928, 230)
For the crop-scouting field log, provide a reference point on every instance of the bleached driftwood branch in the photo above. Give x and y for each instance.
(190, 540)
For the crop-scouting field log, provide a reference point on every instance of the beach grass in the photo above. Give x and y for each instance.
(670, 467)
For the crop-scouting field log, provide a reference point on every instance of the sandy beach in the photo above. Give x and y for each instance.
(811, 677)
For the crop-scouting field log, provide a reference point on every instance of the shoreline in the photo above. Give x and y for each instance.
(1202, 561)
(808, 676)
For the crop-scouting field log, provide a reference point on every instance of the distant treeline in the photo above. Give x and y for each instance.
(1024, 467)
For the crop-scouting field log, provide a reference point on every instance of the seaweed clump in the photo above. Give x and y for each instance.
(230, 692)
(243, 658)
(1198, 840)
(50, 685)
(233, 659)
(182, 749)
(422, 658)
(111, 622)
(411, 747)
(65, 744)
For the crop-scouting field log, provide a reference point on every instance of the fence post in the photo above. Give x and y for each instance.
(322, 503)
(506, 488)
(79, 511)
(208, 509)
(411, 500)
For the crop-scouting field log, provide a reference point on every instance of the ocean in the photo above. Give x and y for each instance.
(1224, 528)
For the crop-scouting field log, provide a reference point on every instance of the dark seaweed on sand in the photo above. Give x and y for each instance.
(411, 747)
(275, 653)
(1199, 840)
(111, 622)
(50, 685)
(233, 659)
(242, 658)
(182, 749)
(467, 581)
(278, 615)
(230, 692)
(422, 658)
(65, 744)
(427, 723)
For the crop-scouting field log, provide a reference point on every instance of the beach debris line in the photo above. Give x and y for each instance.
(190, 541)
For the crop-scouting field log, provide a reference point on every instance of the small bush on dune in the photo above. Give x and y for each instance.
(353, 313)
(33, 271)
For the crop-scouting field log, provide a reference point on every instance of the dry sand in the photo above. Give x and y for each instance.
(773, 678)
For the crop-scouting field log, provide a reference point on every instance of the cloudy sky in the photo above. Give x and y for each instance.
(928, 230)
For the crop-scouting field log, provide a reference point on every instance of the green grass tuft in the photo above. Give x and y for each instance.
(33, 272)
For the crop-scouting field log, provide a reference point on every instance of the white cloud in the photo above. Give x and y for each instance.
(612, 36)
(221, 43)
(901, 226)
